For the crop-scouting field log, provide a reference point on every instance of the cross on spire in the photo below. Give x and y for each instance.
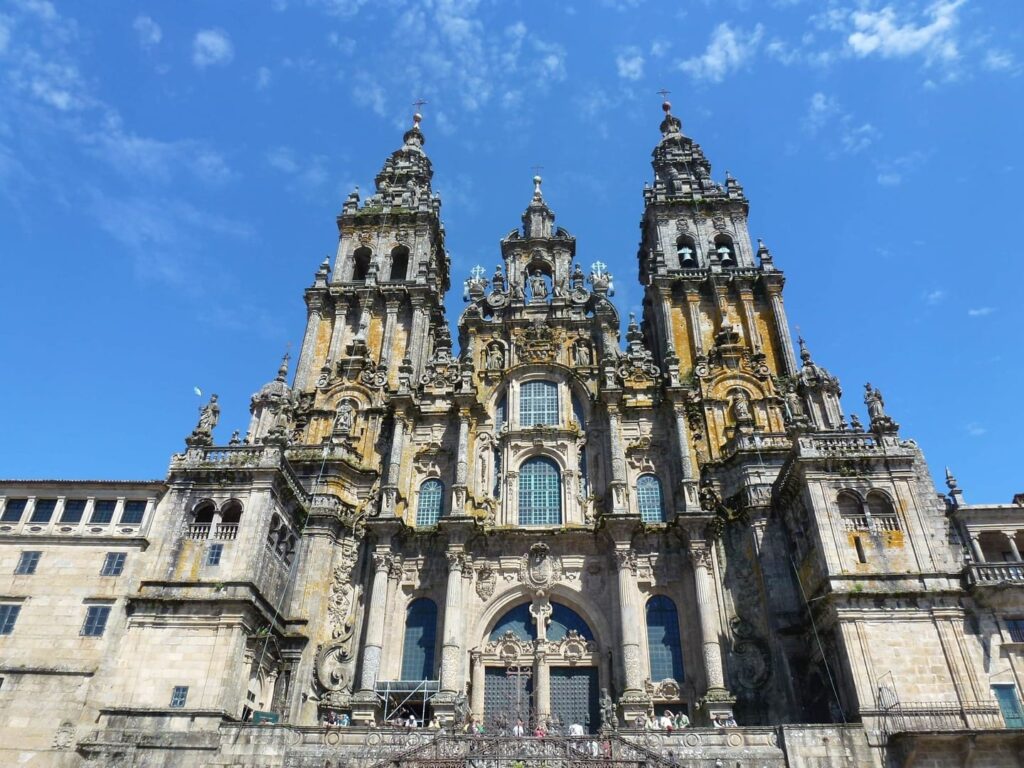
(664, 94)
(477, 272)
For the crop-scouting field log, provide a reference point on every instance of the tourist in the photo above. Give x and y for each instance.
(576, 730)
(411, 722)
(540, 731)
(666, 721)
(650, 722)
(331, 719)
(435, 724)
(682, 721)
(519, 729)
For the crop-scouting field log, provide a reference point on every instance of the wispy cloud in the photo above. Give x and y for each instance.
(934, 297)
(892, 171)
(997, 60)
(147, 31)
(980, 311)
(883, 33)
(211, 47)
(728, 51)
(826, 117)
(630, 64)
(309, 174)
(974, 429)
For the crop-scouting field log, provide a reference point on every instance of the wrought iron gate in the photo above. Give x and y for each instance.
(574, 697)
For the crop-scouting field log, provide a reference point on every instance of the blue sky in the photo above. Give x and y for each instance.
(170, 174)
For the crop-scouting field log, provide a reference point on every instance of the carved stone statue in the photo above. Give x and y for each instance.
(576, 281)
(495, 358)
(209, 415)
(345, 418)
(538, 286)
(741, 408)
(461, 710)
(582, 354)
(872, 399)
(609, 721)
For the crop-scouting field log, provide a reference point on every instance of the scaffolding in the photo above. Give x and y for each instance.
(396, 695)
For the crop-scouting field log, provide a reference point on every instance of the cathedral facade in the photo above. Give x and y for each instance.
(547, 525)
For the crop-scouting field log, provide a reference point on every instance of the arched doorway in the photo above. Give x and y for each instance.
(540, 664)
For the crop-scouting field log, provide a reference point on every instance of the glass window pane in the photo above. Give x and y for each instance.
(428, 508)
(95, 620)
(27, 563)
(43, 510)
(178, 696)
(103, 511)
(133, 512)
(13, 510)
(663, 645)
(73, 511)
(113, 564)
(8, 617)
(420, 634)
(538, 404)
(540, 493)
(648, 498)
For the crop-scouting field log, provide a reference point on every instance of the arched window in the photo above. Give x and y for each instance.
(420, 634)
(399, 263)
(361, 263)
(520, 623)
(664, 650)
(849, 504)
(725, 249)
(648, 498)
(565, 620)
(686, 250)
(540, 492)
(428, 507)
(879, 505)
(538, 403)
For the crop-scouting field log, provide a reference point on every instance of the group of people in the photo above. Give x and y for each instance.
(666, 721)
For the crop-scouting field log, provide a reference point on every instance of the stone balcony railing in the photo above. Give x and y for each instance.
(918, 717)
(871, 523)
(984, 574)
(851, 444)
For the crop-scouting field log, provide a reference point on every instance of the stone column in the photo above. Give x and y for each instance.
(414, 345)
(365, 306)
(390, 489)
(541, 684)
(390, 319)
(782, 329)
(689, 480)
(632, 698)
(693, 305)
(340, 330)
(717, 699)
(461, 466)
(451, 645)
(314, 305)
(377, 612)
(979, 555)
(479, 677)
(618, 483)
(747, 298)
(1011, 539)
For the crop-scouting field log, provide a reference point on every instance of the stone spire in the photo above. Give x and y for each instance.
(538, 219)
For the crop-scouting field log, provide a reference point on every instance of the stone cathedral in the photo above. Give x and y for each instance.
(418, 544)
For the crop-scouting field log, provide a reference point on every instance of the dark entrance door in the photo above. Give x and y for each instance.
(508, 695)
(574, 697)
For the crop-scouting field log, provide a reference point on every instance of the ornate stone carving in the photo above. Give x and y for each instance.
(538, 342)
(625, 559)
(701, 556)
(538, 569)
(509, 647)
(631, 661)
(373, 376)
(486, 579)
(209, 415)
(64, 736)
(574, 647)
(664, 690)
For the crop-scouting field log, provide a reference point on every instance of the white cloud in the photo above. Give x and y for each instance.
(857, 138)
(974, 429)
(211, 46)
(889, 178)
(367, 92)
(997, 60)
(881, 33)
(824, 111)
(934, 297)
(147, 31)
(820, 110)
(728, 50)
(980, 311)
(5, 32)
(659, 48)
(263, 78)
(630, 64)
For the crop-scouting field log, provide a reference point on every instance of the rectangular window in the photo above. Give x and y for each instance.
(178, 696)
(8, 615)
(538, 404)
(95, 620)
(1009, 705)
(113, 564)
(1016, 630)
(103, 511)
(43, 511)
(133, 512)
(213, 554)
(73, 511)
(13, 510)
(28, 563)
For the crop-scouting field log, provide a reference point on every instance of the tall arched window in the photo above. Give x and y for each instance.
(540, 492)
(420, 636)
(431, 500)
(361, 263)
(725, 249)
(664, 649)
(399, 263)
(879, 505)
(538, 403)
(648, 498)
(849, 504)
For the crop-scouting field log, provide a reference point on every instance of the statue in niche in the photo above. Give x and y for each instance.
(741, 408)
(609, 721)
(538, 286)
(495, 358)
(577, 277)
(583, 357)
(345, 418)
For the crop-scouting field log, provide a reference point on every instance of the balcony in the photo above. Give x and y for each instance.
(199, 530)
(924, 717)
(226, 531)
(873, 524)
(991, 574)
